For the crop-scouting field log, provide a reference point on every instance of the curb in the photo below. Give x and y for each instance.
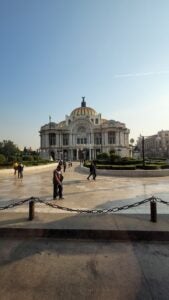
(129, 173)
(108, 235)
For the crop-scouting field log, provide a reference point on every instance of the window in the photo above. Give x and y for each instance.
(81, 141)
(111, 137)
(98, 138)
(82, 135)
(52, 139)
(65, 139)
(96, 121)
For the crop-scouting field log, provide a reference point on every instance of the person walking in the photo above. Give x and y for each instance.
(20, 170)
(64, 166)
(92, 171)
(15, 166)
(69, 164)
(57, 183)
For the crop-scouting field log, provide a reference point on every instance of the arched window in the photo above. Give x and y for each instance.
(81, 135)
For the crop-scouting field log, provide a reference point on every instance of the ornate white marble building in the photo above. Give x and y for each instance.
(83, 135)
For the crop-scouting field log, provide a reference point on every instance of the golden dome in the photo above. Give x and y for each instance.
(83, 111)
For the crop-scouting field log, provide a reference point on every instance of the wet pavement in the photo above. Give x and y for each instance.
(105, 192)
(65, 268)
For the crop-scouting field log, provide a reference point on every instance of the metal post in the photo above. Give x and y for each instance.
(153, 210)
(143, 151)
(31, 210)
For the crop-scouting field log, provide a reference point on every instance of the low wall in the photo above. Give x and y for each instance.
(27, 169)
(131, 173)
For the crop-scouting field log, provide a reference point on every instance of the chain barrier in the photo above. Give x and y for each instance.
(11, 205)
(85, 211)
(162, 201)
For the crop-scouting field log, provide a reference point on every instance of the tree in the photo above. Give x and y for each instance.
(112, 152)
(9, 150)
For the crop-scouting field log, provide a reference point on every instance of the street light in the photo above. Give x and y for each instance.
(143, 151)
(141, 148)
(149, 138)
(158, 148)
(101, 148)
(131, 144)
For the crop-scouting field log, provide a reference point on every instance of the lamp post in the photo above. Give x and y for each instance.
(158, 147)
(101, 138)
(143, 151)
(131, 143)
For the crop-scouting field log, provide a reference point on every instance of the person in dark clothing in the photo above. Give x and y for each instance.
(64, 166)
(15, 166)
(20, 170)
(57, 183)
(92, 171)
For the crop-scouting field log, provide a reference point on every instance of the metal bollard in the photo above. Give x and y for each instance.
(31, 210)
(153, 210)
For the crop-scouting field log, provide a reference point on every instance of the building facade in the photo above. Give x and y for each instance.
(155, 146)
(82, 135)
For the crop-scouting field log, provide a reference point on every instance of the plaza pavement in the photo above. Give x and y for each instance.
(82, 267)
(79, 193)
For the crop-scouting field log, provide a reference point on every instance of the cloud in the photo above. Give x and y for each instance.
(141, 74)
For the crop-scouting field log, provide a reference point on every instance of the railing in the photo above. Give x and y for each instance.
(32, 200)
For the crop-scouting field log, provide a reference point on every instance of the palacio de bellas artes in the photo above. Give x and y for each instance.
(82, 135)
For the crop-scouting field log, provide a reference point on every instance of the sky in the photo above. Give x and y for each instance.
(53, 52)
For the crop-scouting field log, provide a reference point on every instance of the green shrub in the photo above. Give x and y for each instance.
(2, 158)
(124, 167)
(6, 165)
(165, 167)
(115, 158)
(149, 167)
(103, 155)
(116, 167)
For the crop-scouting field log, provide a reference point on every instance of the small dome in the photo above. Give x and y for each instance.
(61, 124)
(83, 111)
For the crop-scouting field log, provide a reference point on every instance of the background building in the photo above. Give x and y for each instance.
(155, 146)
(82, 135)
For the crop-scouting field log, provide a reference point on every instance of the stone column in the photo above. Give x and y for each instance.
(57, 140)
(90, 155)
(46, 140)
(41, 141)
(71, 154)
(106, 137)
(77, 154)
(70, 139)
(92, 138)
